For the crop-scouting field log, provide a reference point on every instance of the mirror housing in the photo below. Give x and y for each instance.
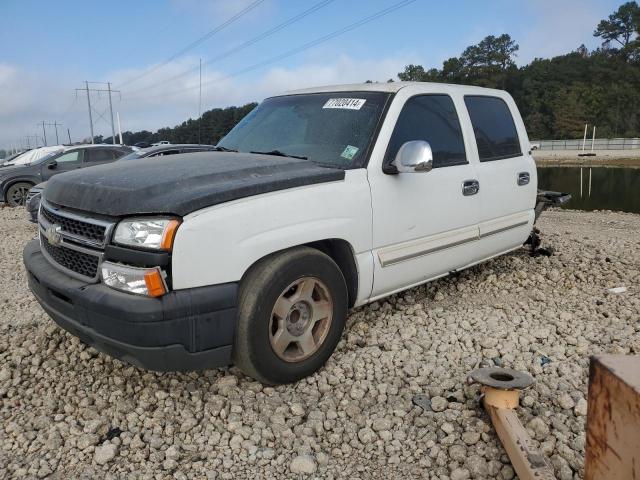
(414, 157)
(52, 165)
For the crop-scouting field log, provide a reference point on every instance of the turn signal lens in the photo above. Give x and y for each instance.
(155, 284)
(169, 234)
(142, 281)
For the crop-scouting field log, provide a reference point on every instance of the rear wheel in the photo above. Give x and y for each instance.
(292, 310)
(17, 193)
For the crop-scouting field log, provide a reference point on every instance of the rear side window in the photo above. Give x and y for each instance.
(432, 118)
(98, 155)
(494, 128)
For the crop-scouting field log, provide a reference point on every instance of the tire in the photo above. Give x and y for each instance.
(292, 310)
(17, 193)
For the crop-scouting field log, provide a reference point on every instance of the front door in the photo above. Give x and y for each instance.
(63, 163)
(424, 223)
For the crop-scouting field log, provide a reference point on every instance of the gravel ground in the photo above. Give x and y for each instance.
(70, 412)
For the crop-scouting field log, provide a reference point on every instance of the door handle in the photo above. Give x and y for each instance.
(523, 178)
(470, 187)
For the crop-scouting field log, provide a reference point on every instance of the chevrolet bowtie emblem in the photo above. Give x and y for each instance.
(53, 234)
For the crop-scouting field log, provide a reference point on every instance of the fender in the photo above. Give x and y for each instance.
(218, 244)
(22, 178)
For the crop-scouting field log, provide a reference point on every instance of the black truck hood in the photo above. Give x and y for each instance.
(180, 184)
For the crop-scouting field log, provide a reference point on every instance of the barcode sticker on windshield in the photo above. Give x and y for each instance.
(345, 103)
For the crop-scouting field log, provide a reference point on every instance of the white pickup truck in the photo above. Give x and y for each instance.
(318, 201)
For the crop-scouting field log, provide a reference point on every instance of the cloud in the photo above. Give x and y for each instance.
(154, 102)
(551, 32)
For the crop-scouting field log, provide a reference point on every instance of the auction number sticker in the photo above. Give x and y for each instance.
(345, 103)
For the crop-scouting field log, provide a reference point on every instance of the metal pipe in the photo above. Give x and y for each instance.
(501, 396)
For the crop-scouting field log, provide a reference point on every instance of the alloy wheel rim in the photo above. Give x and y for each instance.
(18, 195)
(301, 319)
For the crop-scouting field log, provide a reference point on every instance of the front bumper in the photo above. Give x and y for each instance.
(183, 330)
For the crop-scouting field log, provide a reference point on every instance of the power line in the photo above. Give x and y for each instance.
(245, 44)
(195, 43)
(294, 51)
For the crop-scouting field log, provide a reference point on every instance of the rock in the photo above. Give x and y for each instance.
(581, 408)
(439, 404)
(87, 440)
(380, 424)
(539, 428)
(105, 453)
(305, 464)
(366, 435)
(566, 402)
(471, 438)
(460, 474)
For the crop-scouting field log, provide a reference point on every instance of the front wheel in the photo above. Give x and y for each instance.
(292, 310)
(17, 193)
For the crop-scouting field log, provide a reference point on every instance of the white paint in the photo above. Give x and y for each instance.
(403, 229)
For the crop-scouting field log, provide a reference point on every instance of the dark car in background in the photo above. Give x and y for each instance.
(17, 180)
(33, 196)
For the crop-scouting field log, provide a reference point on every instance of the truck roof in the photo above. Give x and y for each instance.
(387, 87)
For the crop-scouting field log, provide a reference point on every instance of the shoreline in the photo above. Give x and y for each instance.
(602, 158)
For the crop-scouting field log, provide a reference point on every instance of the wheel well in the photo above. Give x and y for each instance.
(341, 252)
(12, 183)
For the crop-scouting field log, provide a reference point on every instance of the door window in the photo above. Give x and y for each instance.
(432, 118)
(99, 155)
(494, 128)
(68, 157)
(165, 152)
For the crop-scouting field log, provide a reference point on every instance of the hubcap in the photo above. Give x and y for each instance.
(301, 319)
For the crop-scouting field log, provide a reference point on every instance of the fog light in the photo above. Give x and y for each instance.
(141, 281)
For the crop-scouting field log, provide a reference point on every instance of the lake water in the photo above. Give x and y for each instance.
(603, 188)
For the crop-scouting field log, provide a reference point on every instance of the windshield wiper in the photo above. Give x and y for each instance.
(279, 153)
(224, 149)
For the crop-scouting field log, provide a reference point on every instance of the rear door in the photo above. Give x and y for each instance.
(506, 172)
(423, 223)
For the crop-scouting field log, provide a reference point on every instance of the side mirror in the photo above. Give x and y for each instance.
(52, 165)
(414, 157)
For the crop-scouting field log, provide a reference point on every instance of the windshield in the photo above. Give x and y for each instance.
(35, 156)
(333, 129)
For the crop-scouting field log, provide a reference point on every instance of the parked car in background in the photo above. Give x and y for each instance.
(161, 142)
(33, 196)
(319, 200)
(33, 155)
(17, 178)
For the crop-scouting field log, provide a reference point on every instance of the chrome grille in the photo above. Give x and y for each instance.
(72, 242)
(78, 228)
(81, 263)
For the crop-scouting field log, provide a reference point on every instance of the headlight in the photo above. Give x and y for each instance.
(155, 233)
(143, 281)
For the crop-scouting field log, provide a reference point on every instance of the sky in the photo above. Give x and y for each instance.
(149, 50)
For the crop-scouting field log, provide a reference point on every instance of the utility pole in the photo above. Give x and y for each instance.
(44, 134)
(200, 106)
(69, 133)
(88, 91)
(113, 131)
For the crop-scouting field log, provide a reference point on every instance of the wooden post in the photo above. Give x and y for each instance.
(613, 418)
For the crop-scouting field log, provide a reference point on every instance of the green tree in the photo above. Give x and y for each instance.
(622, 28)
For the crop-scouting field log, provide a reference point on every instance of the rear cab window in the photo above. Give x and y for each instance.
(493, 127)
(432, 118)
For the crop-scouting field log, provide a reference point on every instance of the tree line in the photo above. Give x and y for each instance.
(556, 96)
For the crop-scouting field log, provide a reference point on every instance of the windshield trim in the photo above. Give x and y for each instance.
(363, 162)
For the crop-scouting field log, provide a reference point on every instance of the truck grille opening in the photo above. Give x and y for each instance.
(90, 231)
(81, 263)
